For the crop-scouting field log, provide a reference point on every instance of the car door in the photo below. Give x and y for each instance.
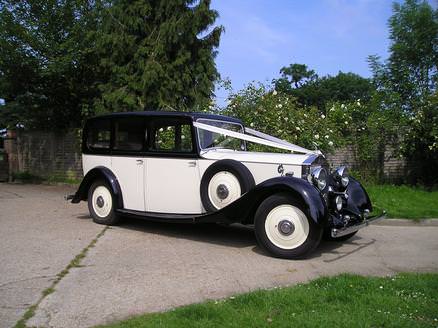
(128, 161)
(172, 174)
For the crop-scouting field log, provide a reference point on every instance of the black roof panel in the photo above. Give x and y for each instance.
(193, 115)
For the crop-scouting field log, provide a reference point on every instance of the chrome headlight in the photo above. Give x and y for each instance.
(319, 177)
(341, 175)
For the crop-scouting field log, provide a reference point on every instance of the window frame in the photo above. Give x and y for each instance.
(86, 149)
(163, 120)
(118, 152)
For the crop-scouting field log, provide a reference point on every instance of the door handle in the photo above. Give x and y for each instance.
(192, 163)
(139, 161)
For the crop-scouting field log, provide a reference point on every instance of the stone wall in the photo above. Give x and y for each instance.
(45, 154)
(393, 168)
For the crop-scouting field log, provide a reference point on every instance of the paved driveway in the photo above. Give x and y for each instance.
(142, 266)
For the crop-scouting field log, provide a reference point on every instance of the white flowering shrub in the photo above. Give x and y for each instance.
(278, 114)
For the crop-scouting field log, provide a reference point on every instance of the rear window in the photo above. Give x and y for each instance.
(129, 134)
(99, 134)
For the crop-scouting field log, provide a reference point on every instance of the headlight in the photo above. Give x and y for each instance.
(341, 175)
(319, 177)
(338, 201)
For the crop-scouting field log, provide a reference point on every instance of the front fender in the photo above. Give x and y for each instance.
(358, 199)
(301, 190)
(99, 173)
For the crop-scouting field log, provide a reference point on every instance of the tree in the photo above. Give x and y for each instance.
(408, 80)
(47, 70)
(311, 90)
(157, 54)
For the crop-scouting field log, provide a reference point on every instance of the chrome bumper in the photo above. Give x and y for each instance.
(345, 231)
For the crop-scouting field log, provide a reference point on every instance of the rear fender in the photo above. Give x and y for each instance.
(99, 173)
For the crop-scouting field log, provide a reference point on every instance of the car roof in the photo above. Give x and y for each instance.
(193, 115)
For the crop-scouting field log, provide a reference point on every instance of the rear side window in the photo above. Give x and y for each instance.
(172, 136)
(129, 134)
(99, 135)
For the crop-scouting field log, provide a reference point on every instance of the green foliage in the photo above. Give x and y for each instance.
(408, 80)
(47, 73)
(157, 55)
(63, 61)
(311, 90)
(280, 115)
(404, 300)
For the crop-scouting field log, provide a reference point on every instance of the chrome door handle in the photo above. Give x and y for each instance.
(192, 164)
(139, 161)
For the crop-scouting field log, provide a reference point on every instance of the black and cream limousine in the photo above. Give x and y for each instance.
(196, 167)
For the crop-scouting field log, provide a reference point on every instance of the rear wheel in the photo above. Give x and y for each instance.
(101, 204)
(283, 229)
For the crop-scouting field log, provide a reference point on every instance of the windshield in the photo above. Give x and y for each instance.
(208, 139)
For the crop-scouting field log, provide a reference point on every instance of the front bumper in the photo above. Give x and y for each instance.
(339, 232)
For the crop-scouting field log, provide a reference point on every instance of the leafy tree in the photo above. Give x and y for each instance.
(408, 80)
(47, 71)
(311, 90)
(157, 54)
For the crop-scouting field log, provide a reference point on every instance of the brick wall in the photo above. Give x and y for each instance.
(45, 154)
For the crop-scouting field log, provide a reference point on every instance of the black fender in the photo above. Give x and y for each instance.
(358, 199)
(244, 208)
(103, 173)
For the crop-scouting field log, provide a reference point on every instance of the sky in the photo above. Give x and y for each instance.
(329, 36)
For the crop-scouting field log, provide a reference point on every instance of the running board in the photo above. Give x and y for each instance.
(168, 217)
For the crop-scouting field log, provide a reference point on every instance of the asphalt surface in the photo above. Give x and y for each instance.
(142, 267)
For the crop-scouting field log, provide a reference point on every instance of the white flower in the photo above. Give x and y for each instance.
(332, 109)
(331, 131)
(317, 136)
(251, 125)
(305, 115)
(274, 93)
(358, 102)
(330, 143)
(322, 116)
(286, 119)
(298, 128)
(161, 130)
(346, 123)
(326, 136)
(343, 106)
(183, 137)
(169, 128)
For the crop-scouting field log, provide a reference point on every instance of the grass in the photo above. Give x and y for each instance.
(404, 202)
(406, 300)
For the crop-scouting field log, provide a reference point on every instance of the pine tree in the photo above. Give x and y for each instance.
(157, 54)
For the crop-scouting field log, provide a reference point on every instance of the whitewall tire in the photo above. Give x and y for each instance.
(101, 203)
(223, 189)
(224, 182)
(283, 229)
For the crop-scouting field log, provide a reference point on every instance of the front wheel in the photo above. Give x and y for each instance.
(283, 229)
(101, 204)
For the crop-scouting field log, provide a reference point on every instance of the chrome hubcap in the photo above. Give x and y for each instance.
(100, 202)
(286, 228)
(222, 191)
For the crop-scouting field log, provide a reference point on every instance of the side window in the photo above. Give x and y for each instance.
(172, 136)
(99, 134)
(129, 134)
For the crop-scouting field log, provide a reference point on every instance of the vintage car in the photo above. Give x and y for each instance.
(197, 167)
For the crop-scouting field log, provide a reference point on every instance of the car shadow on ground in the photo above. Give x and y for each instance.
(236, 236)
